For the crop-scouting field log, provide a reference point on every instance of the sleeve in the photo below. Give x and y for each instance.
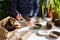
(36, 8)
(14, 7)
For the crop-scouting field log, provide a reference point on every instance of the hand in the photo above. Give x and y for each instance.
(31, 22)
(19, 17)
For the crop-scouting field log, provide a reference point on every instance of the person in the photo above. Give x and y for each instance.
(40, 9)
(24, 8)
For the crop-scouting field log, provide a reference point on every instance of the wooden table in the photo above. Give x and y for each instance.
(33, 36)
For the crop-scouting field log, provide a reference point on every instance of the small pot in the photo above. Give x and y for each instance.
(37, 26)
(54, 34)
(38, 19)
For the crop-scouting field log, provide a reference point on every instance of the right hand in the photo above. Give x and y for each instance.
(19, 17)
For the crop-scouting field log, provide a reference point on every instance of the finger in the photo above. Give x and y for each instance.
(19, 14)
(17, 17)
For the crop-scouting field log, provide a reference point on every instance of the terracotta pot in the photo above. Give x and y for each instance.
(50, 15)
(55, 15)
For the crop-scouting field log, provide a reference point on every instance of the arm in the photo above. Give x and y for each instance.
(36, 8)
(14, 8)
(15, 12)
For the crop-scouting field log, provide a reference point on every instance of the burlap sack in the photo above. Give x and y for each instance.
(8, 26)
(11, 21)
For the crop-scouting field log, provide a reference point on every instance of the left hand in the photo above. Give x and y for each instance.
(19, 17)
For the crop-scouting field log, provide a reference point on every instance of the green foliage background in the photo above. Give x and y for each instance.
(56, 4)
(5, 4)
(57, 7)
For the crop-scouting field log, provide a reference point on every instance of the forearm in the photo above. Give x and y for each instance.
(36, 8)
(14, 11)
(36, 12)
(14, 8)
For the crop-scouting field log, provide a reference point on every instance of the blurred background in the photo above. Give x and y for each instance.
(5, 4)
